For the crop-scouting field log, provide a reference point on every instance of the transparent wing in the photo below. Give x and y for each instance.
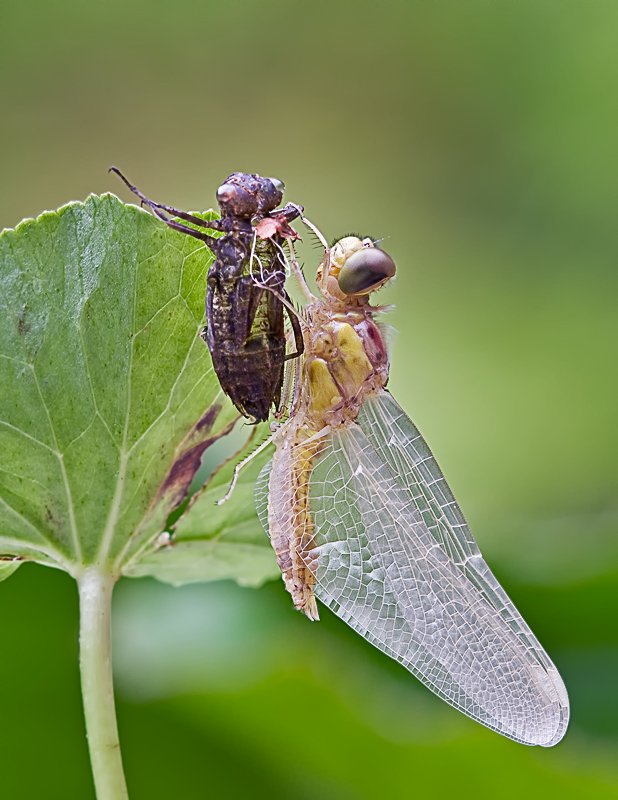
(400, 445)
(396, 562)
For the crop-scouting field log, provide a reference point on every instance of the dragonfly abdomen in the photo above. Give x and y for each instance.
(290, 522)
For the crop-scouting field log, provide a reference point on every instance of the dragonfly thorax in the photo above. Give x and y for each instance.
(345, 358)
(339, 370)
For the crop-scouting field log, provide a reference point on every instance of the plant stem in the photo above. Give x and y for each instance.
(95, 658)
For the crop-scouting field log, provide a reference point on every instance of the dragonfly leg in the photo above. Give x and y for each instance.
(298, 273)
(291, 390)
(298, 334)
(213, 224)
(240, 466)
(286, 390)
(297, 388)
(293, 312)
(316, 230)
(178, 226)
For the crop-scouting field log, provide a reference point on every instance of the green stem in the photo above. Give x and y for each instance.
(95, 658)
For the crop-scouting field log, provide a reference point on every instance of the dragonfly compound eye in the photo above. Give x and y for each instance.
(365, 271)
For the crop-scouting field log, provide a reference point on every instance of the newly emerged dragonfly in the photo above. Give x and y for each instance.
(361, 518)
(245, 294)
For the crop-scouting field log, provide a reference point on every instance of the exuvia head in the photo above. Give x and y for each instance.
(249, 196)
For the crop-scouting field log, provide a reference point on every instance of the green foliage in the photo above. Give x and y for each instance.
(213, 542)
(109, 398)
(8, 567)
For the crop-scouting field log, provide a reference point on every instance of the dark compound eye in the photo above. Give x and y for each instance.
(365, 270)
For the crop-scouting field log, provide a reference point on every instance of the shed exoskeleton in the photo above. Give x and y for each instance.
(245, 295)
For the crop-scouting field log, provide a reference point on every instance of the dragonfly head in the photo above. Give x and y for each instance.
(354, 267)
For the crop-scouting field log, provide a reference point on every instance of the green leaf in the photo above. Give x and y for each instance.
(108, 395)
(213, 542)
(8, 567)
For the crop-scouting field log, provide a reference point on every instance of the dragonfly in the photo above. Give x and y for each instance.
(361, 518)
(245, 295)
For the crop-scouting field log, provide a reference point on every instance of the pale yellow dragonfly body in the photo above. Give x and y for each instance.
(361, 518)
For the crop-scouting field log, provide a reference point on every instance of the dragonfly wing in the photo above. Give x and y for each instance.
(261, 494)
(381, 569)
(401, 446)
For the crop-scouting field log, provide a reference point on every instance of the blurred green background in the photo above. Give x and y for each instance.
(481, 138)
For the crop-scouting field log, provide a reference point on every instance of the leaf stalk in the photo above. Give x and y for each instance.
(95, 601)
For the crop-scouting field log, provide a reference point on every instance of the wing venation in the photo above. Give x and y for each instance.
(394, 559)
(261, 494)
